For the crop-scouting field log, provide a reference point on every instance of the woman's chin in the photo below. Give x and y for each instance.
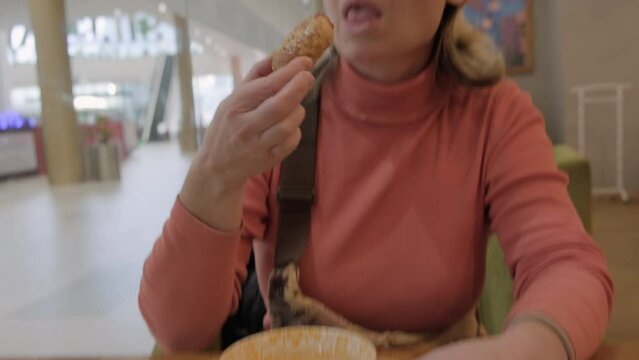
(356, 54)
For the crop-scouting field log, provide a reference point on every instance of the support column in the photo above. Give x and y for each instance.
(236, 69)
(62, 141)
(5, 88)
(188, 131)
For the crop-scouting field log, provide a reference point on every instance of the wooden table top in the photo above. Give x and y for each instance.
(610, 351)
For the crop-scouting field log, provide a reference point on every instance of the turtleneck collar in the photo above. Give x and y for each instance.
(385, 104)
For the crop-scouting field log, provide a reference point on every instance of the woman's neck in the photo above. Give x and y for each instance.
(370, 101)
(392, 68)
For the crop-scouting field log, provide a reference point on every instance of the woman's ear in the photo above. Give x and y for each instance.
(456, 3)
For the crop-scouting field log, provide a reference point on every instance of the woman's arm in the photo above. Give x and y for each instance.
(562, 287)
(192, 279)
(560, 275)
(528, 340)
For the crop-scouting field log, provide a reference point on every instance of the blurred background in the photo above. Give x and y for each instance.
(104, 103)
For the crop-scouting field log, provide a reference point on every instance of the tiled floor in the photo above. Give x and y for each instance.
(71, 258)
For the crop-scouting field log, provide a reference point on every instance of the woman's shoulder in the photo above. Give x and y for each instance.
(504, 88)
(502, 96)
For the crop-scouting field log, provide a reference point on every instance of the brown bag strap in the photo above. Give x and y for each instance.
(296, 190)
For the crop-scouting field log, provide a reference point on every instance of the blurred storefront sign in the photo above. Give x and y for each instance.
(116, 37)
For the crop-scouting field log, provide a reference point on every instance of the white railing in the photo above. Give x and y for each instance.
(612, 94)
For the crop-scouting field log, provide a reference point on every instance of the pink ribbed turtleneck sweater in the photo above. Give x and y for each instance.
(411, 177)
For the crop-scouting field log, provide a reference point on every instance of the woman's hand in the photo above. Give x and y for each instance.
(255, 128)
(492, 348)
(528, 340)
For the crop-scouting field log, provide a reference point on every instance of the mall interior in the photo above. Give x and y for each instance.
(103, 105)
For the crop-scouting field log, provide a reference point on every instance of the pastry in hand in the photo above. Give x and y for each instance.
(310, 38)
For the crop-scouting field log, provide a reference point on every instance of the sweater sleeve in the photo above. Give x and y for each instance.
(560, 274)
(193, 277)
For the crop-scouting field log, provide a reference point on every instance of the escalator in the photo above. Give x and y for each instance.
(156, 124)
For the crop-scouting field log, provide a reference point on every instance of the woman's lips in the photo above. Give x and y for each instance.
(359, 16)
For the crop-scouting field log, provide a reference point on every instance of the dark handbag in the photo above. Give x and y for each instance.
(250, 312)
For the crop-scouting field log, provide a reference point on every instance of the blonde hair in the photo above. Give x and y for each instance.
(463, 53)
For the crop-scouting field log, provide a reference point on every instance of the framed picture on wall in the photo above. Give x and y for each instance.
(509, 24)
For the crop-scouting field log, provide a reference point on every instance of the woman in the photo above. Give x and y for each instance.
(422, 150)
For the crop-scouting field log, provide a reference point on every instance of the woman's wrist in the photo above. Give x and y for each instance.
(206, 169)
(212, 198)
(534, 340)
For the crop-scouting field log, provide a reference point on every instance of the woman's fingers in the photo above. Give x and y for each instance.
(285, 148)
(278, 107)
(250, 95)
(260, 120)
(260, 69)
(281, 130)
